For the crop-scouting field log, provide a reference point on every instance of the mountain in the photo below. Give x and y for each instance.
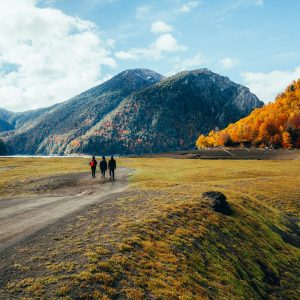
(11, 120)
(169, 115)
(5, 114)
(137, 111)
(2, 148)
(5, 126)
(50, 130)
(276, 124)
(5, 117)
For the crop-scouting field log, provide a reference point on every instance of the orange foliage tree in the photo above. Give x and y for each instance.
(276, 124)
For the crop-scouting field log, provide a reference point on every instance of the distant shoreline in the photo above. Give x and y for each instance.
(215, 153)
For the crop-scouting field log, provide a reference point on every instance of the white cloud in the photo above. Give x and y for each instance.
(197, 61)
(163, 11)
(161, 27)
(167, 42)
(229, 62)
(268, 85)
(164, 43)
(188, 6)
(130, 54)
(46, 56)
(45, 2)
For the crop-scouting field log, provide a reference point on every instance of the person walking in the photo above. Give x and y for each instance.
(93, 164)
(112, 165)
(103, 166)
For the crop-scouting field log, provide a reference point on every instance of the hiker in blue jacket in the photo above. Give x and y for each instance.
(112, 165)
(103, 166)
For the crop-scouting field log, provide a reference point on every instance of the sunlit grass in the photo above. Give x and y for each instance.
(18, 175)
(162, 240)
(271, 183)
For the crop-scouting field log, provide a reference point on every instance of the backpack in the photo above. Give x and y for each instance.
(93, 164)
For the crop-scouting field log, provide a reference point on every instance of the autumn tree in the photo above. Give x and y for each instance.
(276, 124)
(286, 140)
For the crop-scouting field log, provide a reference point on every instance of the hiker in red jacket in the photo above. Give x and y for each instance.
(93, 164)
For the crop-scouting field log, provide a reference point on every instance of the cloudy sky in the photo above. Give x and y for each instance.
(51, 50)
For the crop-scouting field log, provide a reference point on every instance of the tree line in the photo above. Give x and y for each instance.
(274, 125)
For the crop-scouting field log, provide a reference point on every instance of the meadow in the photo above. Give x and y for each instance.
(161, 239)
(30, 176)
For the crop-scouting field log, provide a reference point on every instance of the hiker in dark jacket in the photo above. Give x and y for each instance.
(112, 165)
(103, 166)
(93, 164)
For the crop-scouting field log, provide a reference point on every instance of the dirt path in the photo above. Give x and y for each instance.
(21, 217)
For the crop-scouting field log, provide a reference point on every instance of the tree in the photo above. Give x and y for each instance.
(276, 124)
(286, 140)
(3, 150)
(202, 142)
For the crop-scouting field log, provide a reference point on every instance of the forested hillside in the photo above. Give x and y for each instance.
(276, 125)
(168, 116)
(137, 111)
(2, 148)
(5, 123)
(49, 130)
(5, 126)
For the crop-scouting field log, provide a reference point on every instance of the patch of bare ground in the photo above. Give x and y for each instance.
(67, 253)
(63, 194)
(63, 184)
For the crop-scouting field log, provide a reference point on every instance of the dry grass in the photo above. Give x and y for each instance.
(161, 240)
(273, 184)
(25, 176)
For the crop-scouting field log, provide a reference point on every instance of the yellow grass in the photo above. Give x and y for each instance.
(273, 184)
(162, 239)
(19, 176)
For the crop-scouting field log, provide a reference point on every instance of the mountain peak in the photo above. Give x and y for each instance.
(137, 112)
(140, 73)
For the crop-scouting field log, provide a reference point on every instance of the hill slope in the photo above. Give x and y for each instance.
(276, 124)
(5, 117)
(50, 130)
(5, 126)
(2, 148)
(168, 115)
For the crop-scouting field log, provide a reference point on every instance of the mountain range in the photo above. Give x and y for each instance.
(137, 111)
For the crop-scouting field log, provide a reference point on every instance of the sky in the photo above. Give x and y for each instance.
(51, 50)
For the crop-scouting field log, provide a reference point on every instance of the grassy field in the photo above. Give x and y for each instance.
(162, 240)
(29, 176)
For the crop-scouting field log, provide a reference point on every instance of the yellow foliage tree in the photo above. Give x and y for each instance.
(276, 124)
(286, 140)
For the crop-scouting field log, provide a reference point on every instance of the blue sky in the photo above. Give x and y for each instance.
(51, 50)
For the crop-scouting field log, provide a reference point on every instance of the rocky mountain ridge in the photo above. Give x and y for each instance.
(137, 111)
(168, 115)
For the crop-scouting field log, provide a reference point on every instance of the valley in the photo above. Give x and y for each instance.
(161, 237)
(149, 150)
